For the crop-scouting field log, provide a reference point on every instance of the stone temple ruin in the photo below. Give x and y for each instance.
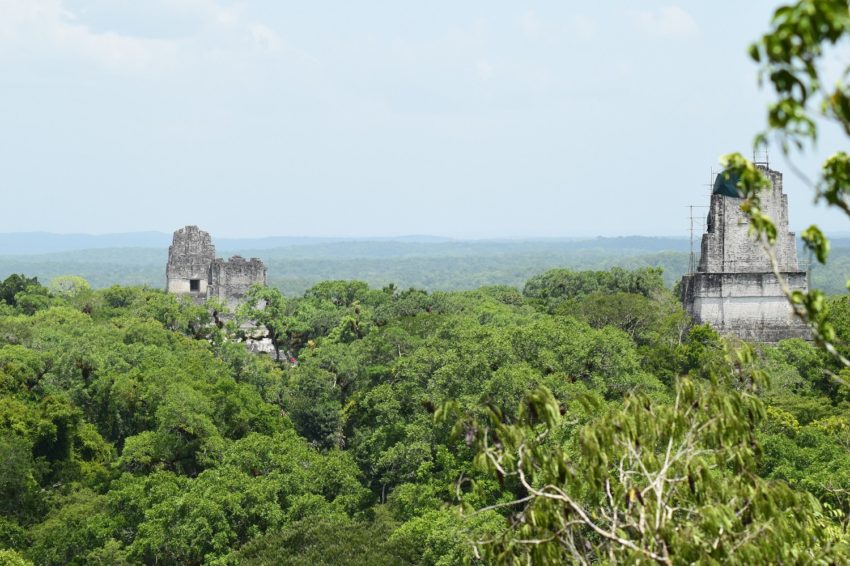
(194, 270)
(734, 288)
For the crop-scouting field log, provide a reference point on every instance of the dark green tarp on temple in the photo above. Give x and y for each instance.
(726, 184)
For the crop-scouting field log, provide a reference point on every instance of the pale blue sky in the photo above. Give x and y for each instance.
(465, 119)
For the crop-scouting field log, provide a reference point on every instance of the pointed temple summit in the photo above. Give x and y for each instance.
(734, 288)
(194, 270)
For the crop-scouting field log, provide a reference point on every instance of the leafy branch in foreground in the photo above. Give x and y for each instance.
(668, 483)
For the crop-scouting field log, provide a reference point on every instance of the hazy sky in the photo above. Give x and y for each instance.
(466, 119)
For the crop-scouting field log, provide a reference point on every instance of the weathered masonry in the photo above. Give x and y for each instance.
(194, 270)
(734, 288)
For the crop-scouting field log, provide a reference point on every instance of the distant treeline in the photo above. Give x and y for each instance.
(432, 266)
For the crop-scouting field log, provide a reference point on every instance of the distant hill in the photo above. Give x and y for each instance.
(26, 243)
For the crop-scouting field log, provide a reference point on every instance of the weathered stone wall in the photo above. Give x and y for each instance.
(727, 246)
(231, 279)
(735, 289)
(189, 257)
(748, 305)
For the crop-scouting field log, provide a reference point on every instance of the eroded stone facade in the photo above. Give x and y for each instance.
(734, 288)
(231, 279)
(194, 270)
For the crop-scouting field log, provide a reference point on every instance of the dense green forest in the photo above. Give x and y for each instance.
(135, 428)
